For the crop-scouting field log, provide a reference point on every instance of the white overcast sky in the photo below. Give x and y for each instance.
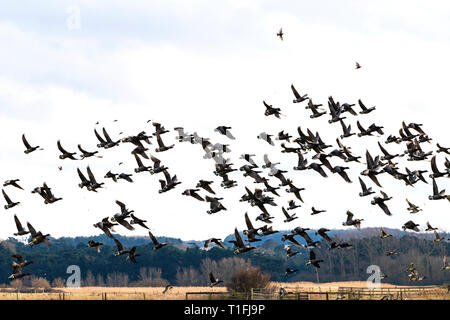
(201, 64)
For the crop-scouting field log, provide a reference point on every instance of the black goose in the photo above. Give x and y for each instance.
(125, 176)
(161, 146)
(284, 136)
(289, 252)
(313, 260)
(87, 154)
(169, 183)
(136, 220)
(141, 167)
(37, 237)
(438, 195)
(317, 167)
(240, 246)
(296, 191)
(292, 205)
(120, 249)
(49, 196)
(64, 154)
(298, 98)
(84, 182)
(156, 244)
(159, 129)
(436, 173)
(157, 167)
(193, 193)
(352, 222)
(266, 137)
(110, 175)
(442, 149)
(323, 233)
(21, 262)
(272, 111)
(265, 230)
(122, 216)
(213, 280)
(12, 183)
(132, 255)
(412, 208)
(315, 112)
(335, 111)
(391, 253)
(364, 109)
(363, 132)
(381, 203)
(224, 130)
(93, 185)
(291, 237)
(106, 226)
(411, 226)
(429, 227)
(20, 230)
(228, 183)
(280, 34)
(365, 191)
(9, 204)
(248, 157)
(341, 171)
(109, 142)
(93, 244)
(387, 155)
(373, 168)
(347, 130)
(384, 234)
(314, 211)
(205, 185)
(302, 162)
(28, 147)
(438, 238)
(17, 272)
(217, 241)
(290, 271)
(215, 205)
(251, 232)
(289, 218)
(270, 189)
(302, 233)
(358, 66)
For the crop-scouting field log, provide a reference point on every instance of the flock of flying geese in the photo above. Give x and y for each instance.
(411, 134)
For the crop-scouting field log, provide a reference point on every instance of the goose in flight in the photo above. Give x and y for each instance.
(13, 183)
(205, 185)
(161, 146)
(106, 226)
(215, 205)
(217, 241)
(364, 109)
(37, 237)
(20, 230)
(384, 234)
(193, 193)
(9, 204)
(289, 218)
(365, 191)
(429, 227)
(272, 111)
(120, 249)
(438, 195)
(381, 202)
(169, 183)
(411, 226)
(141, 167)
(240, 246)
(313, 260)
(28, 147)
(315, 211)
(298, 97)
(64, 154)
(93, 244)
(132, 255)
(156, 244)
(289, 252)
(213, 280)
(93, 185)
(136, 220)
(17, 272)
(412, 208)
(280, 34)
(352, 222)
(358, 66)
(224, 130)
(87, 154)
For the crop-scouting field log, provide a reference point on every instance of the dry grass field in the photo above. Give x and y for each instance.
(179, 293)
